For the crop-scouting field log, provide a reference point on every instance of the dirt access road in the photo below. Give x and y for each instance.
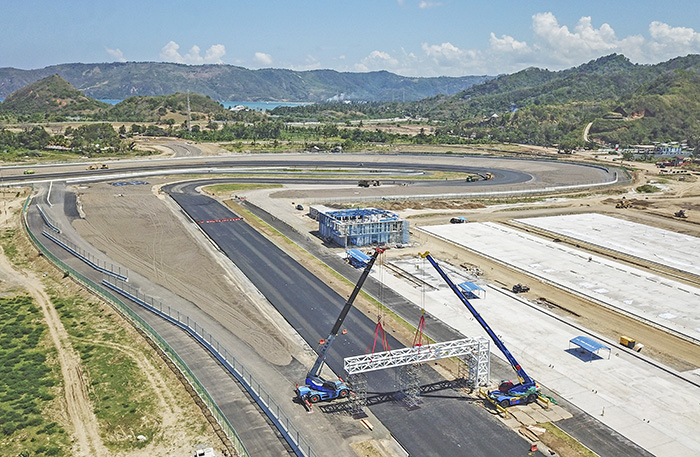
(75, 408)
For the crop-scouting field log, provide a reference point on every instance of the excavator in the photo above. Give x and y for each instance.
(315, 387)
(508, 393)
(681, 214)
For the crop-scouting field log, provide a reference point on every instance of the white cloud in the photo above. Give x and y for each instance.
(215, 53)
(508, 44)
(559, 47)
(170, 53)
(668, 42)
(551, 45)
(377, 60)
(425, 5)
(263, 59)
(115, 54)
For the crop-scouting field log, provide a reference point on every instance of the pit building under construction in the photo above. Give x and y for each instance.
(362, 227)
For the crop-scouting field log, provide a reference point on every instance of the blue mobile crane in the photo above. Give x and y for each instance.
(508, 393)
(316, 388)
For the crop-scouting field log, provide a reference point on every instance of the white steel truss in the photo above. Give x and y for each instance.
(474, 351)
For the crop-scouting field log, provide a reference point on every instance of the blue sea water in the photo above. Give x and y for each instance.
(259, 106)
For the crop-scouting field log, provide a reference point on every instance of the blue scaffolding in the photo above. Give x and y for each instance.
(362, 227)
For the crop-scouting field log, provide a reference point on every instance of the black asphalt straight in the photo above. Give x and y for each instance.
(446, 424)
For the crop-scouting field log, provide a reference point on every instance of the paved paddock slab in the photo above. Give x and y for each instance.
(651, 297)
(657, 245)
(631, 390)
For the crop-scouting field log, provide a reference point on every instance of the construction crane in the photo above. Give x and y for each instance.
(508, 393)
(317, 388)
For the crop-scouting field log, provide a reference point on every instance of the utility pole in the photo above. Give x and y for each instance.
(189, 117)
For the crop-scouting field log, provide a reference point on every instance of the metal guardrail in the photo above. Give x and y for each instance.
(123, 309)
(47, 221)
(272, 409)
(84, 258)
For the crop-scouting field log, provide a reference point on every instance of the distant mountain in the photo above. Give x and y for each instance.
(626, 104)
(232, 83)
(50, 95)
(605, 79)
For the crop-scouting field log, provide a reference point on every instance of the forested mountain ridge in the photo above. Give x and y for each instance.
(231, 83)
(604, 79)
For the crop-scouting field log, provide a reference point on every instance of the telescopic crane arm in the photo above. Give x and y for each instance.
(525, 380)
(314, 375)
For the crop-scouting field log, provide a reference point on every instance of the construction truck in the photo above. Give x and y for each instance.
(367, 183)
(98, 166)
(681, 213)
(508, 393)
(315, 387)
(624, 203)
(520, 288)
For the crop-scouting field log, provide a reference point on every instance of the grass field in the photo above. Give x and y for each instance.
(28, 382)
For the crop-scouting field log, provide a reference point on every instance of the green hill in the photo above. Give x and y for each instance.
(151, 109)
(664, 110)
(651, 103)
(51, 95)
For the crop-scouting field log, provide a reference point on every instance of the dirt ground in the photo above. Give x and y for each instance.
(176, 409)
(138, 228)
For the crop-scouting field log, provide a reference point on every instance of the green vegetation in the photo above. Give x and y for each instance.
(98, 139)
(563, 443)
(125, 404)
(226, 189)
(628, 104)
(27, 382)
(625, 104)
(50, 99)
(647, 189)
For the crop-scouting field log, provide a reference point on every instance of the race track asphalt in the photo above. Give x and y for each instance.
(446, 424)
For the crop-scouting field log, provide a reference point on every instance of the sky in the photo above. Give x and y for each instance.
(407, 37)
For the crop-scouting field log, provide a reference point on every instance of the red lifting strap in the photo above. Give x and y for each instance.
(418, 338)
(379, 332)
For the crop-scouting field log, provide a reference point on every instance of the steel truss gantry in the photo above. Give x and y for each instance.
(474, 351)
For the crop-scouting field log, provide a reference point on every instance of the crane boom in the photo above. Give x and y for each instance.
(316, 387)
(525, 380)
(316, 369)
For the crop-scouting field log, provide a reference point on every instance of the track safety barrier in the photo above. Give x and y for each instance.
(299, 445)
(47, 221)
(85, 259)
(141, 324)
